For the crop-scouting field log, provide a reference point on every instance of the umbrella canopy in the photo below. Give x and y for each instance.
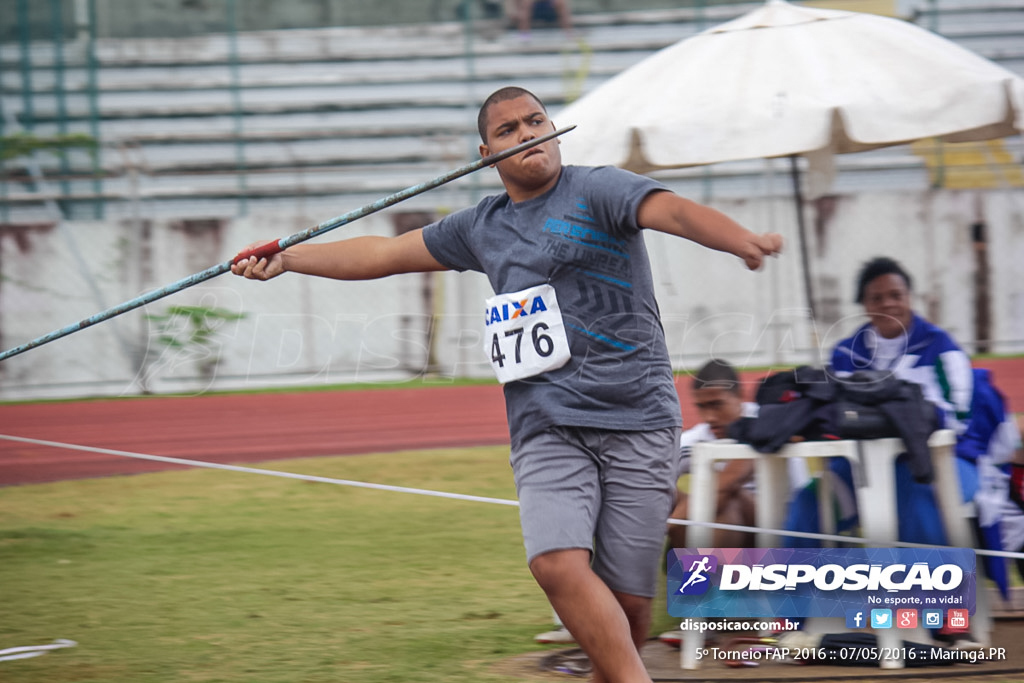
(784, 80)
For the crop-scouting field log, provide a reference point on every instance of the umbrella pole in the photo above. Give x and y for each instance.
(798, 197)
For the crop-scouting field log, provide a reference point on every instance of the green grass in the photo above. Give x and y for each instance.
(205, 575)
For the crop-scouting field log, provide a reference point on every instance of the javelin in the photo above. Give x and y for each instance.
(271, 248)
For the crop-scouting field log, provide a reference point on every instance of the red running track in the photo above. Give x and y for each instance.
(242, 428)
(256, 427)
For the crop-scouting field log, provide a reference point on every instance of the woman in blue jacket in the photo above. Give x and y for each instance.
(896, 339)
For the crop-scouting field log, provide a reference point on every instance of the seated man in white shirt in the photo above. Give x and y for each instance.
(716, 394)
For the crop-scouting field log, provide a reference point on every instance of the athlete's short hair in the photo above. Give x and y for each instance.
(510, 92)
(717, 374)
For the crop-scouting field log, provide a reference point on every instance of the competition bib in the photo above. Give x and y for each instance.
(524, 334)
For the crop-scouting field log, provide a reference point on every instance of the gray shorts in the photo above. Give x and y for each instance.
(607, 491)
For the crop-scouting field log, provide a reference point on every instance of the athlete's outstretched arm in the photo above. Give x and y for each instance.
(669, 213)
(358, 258)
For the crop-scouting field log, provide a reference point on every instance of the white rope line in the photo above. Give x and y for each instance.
(255, 470)
(28, 651)
(461, 496)
(838, 538)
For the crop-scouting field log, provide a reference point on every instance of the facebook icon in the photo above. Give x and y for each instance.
(855, 618)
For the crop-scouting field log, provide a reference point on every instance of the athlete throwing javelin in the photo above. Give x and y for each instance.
(575, 337)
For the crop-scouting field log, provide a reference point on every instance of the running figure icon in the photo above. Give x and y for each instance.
(697, 571)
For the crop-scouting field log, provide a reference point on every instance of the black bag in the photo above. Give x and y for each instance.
(875, 404)
(790, 403)
(857, 421)
(858, 411)
(815, 405)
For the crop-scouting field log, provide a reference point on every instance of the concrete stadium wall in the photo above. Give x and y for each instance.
(309, 331)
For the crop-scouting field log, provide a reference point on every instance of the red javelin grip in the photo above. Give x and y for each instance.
(261, 252)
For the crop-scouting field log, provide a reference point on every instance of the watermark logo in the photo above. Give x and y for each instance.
(822, 582)
(697, 578)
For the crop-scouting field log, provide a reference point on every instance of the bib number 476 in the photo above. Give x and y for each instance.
(543, 345)
(526, 334)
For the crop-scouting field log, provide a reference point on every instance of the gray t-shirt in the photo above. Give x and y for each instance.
(582, 238)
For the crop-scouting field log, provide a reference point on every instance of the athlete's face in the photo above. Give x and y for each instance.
(887, 304)
(719, 408)
(514, 122)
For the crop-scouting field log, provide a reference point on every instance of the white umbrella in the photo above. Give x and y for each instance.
(786, 80)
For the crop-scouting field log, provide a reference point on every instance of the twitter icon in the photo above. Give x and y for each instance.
(881, 618)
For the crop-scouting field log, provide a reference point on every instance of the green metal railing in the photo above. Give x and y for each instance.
(52, 86)
(238, 113)
(57, 37)
(57, 30)
(94, 109)
(52, 33)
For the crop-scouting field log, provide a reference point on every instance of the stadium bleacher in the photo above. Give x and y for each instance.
(194, 126)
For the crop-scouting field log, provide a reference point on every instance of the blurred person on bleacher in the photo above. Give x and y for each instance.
(545, 11)
(594, 438)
